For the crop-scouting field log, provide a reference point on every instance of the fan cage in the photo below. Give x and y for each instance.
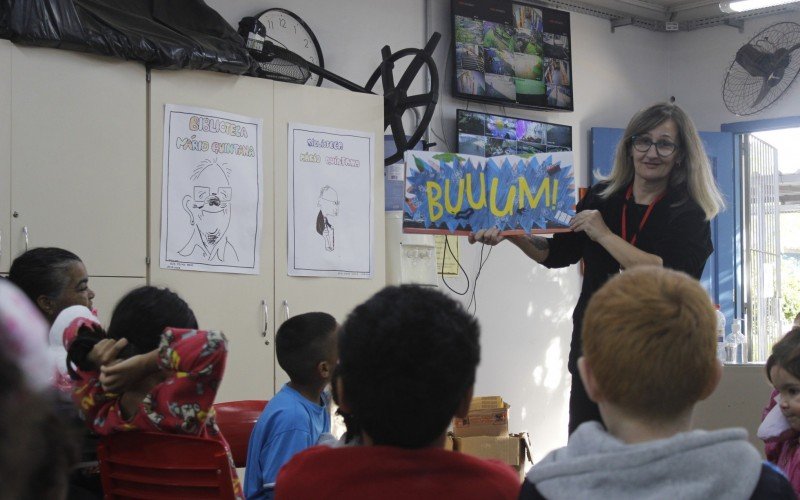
(740, 90)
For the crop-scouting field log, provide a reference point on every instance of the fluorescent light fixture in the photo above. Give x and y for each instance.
(734, 6)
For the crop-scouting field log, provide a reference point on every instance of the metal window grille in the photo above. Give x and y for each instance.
(762, 260)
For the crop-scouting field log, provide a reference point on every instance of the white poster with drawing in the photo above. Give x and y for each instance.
(330, 202)
(212, 191)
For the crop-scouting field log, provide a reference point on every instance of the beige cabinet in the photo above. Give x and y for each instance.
(238, 304)
(5, 155)
(337, 109)
(81, 150)
(77, 157)
(249, 308)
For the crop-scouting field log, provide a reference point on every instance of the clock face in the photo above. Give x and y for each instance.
(286, 30)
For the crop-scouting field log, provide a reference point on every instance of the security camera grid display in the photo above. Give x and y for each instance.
(512, 53)
(486, 134)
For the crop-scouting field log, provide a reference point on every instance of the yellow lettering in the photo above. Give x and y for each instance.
(555, 191)
(509, 209)
(482, 200)
(448, 206)
(435, 209)
(533, 202)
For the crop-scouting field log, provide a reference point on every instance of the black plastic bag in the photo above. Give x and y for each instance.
(167, 34)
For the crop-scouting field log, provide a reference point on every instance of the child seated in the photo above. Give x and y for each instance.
(780, 428)
(407, 364)
(298, 415)
(153, 372)
(649, 356)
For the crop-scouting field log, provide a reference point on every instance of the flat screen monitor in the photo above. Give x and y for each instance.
(485, 134)
(512, 54)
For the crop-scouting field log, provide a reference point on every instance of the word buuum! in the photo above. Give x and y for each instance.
(436, 209)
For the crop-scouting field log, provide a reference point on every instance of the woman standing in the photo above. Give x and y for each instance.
(654, 209)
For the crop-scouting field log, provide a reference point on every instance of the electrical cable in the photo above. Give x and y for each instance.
(473, 298)
(458, 262)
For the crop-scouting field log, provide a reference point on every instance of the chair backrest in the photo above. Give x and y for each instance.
(236, 420)
(163, 466)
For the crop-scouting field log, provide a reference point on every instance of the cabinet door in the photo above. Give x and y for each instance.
(5, 154)
(79, 157)
(337, 109)
(232, 303)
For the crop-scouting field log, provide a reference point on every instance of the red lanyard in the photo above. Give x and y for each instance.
(644, 218)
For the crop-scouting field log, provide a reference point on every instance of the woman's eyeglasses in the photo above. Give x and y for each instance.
(642, 144)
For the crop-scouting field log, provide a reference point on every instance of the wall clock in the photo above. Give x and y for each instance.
(287, 30)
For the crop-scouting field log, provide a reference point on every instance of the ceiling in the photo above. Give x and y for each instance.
(663, 15)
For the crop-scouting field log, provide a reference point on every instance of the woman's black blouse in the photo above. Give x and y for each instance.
(676, 231)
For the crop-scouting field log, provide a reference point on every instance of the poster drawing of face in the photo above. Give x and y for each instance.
(209, 210)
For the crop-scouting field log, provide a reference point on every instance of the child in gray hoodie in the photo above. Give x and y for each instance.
(649, 355)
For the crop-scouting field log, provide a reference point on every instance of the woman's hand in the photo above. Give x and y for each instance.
(590, 222)
(106, 351)
(489, 237)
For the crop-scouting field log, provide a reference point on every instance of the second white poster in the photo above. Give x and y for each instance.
(330, 202)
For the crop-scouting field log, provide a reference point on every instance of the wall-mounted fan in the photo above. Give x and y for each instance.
(763, 69)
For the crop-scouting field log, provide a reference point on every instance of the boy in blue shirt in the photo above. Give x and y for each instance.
(294, 419)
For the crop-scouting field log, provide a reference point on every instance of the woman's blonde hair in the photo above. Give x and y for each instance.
(692, 171)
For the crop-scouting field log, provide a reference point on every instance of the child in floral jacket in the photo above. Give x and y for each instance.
(138, 378)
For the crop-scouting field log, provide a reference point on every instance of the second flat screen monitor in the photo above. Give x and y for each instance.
(486, 134)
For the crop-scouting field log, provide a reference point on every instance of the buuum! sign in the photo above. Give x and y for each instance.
(459, 194)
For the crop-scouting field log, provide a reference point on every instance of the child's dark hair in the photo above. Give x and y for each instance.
(41, 271)
(407, 357)
(142, 315)
(786, 354)
(302, 342)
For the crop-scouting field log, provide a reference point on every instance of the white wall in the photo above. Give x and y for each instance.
(698, 62)
(525, 310)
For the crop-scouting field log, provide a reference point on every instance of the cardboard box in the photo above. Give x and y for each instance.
(512, 449)
(486, 403)
(492, 422)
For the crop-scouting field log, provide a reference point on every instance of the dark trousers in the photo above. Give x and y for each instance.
(581, 408)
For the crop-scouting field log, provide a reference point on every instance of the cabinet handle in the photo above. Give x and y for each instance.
(25, 232)
(266, 321)
(286, 310)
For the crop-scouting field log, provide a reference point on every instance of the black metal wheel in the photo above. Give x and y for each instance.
(396, 100)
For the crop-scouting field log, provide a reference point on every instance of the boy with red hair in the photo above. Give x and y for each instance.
(649, 356)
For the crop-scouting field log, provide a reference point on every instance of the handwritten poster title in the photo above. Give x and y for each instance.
(215, 126)
(323, 151)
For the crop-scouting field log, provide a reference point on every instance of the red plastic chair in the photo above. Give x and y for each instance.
(236, 420)
(163, 466)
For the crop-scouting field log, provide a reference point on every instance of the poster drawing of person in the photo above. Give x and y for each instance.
(209, 209)
(328, 203)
